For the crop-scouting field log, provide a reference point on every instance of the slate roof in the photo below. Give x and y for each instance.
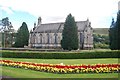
(54, 27)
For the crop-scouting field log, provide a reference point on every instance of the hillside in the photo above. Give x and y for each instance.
(101, 30)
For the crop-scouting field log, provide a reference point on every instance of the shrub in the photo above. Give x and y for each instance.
(101, 46)
(61, 55)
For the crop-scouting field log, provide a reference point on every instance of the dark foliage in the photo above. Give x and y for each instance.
(114, 34)
(22, 37)
(70, 34)
(59, 55)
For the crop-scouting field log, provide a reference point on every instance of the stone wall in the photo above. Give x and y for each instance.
(45, 39)
(52, 40)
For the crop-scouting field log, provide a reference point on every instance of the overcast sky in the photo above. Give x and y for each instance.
(99, 12)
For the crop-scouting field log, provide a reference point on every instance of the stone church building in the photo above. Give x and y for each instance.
(49, 35)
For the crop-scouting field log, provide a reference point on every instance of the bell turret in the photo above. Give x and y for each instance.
(34, 26)
(39, 21)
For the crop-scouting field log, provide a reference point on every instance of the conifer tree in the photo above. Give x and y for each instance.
(70, 34)
(118, 31)
(22, 36)
(114, 34)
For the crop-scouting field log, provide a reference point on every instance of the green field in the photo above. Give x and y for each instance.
(22, 73)
(101, 30)
(67, 61)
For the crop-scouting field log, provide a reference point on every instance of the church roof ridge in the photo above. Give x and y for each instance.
(61, 22)
(55, 26)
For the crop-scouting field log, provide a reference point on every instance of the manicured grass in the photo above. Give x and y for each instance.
(67, 61)
(22, 73)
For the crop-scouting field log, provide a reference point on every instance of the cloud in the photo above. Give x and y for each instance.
(6, 9)
(57, 10)
(55, 18)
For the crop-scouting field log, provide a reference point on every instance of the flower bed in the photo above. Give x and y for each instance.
(64, 69)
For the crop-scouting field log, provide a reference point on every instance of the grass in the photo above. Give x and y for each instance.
(67, 61)
(101, 30)
(22, 73)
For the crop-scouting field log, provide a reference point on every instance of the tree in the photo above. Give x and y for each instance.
(5, 21)
(6, 31)
(114, 34)
(22, 37)
(70, 34)
(101, 41)
(118, 30)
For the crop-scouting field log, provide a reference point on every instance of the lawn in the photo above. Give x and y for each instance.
(22, 73)
(67, 61)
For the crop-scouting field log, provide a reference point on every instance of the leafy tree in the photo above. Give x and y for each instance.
(70, 34)
(22, 37)
(114, 34)
(101, 41)
(5, 21)
(6, 31)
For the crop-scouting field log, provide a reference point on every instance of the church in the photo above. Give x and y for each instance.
(49, 35)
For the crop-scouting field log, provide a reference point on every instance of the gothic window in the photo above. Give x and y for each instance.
(81, 38)
(41, 38)
(34, 38)
(48, 38)
(55, 38)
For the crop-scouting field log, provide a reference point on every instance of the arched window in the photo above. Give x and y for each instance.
(55, 38)
(48, 38)
(41, 38)
(34, 38)
(81, 38)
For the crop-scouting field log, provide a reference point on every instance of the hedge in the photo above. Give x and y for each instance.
(60, 55)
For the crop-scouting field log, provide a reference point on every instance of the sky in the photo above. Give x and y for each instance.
(99, 12)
